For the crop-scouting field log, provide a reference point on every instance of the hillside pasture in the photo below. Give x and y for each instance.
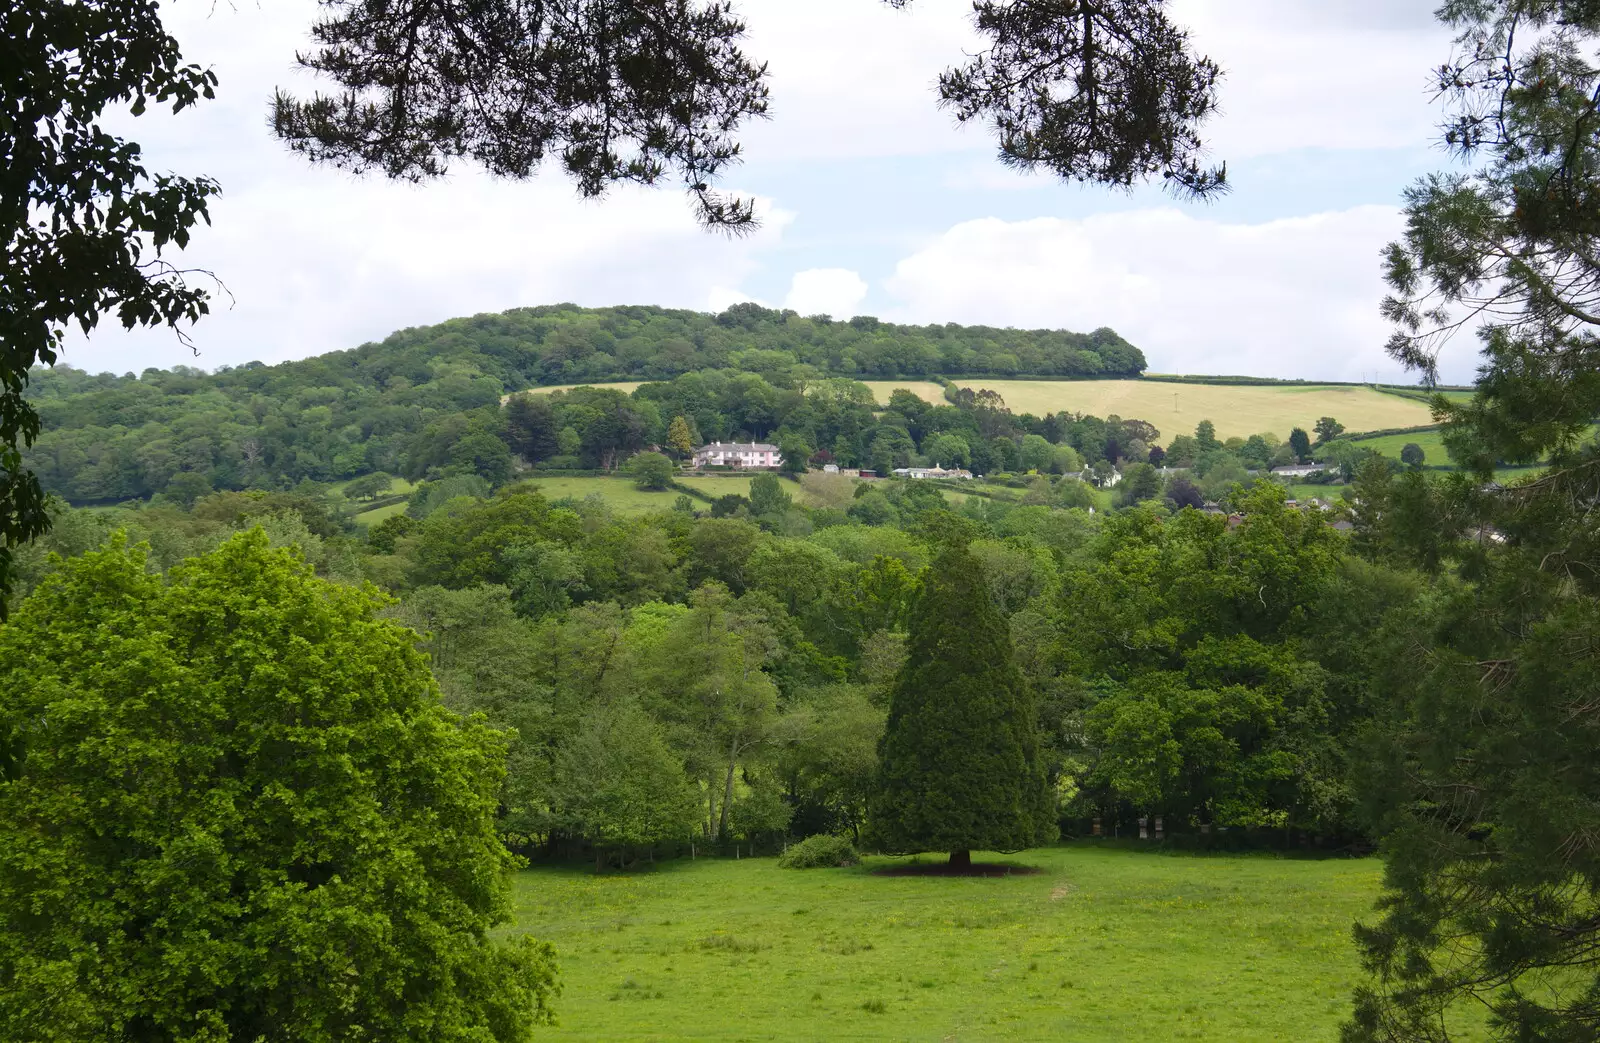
(624, 386)
(1105, 944)
(1175, 409)
(1432, 443)
(380, 514)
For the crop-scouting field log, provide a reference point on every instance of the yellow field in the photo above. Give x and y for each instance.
(625, 386)
(1177, 408)
(924, 389)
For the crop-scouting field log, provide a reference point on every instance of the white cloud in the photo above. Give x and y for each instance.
(1313, 74)
(322, 262)
(826, 291)
(319, 261)
(1287, 298)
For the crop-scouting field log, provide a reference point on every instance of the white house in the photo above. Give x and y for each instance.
(738, 454)
(1297, 470)
(932, 472)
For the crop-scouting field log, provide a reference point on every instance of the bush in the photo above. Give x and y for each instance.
(652, 470)
(820, 852)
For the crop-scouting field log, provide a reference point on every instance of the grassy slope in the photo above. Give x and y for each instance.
(1235, 410)
(1105, 944)
(378, 514)
(624, 386)
(1432, 443)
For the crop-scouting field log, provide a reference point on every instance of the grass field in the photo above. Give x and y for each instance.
(378, 514)
(1105, 944)
(1241, 410)
(624, 386)
(1177, 408)
(1432, 443)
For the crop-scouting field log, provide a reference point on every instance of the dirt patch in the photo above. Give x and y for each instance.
(946, 869)
(1060, 892)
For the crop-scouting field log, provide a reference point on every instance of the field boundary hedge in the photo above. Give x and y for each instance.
(1385, 432)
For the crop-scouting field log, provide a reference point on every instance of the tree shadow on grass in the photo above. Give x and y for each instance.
(990, 869)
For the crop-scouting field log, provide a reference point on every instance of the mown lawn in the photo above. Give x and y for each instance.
(1105, 944)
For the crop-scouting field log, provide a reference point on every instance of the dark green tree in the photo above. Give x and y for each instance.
(369, 486)
(1327, 429)
(1205, 436)
(767, 495)
(1142, 482)
(242, 773)
(796, 455)
(1300, 443)
(1106, 92)
(1484, 787)
(87, 229)
(1413, 455)
(960, 761)
(531, 430)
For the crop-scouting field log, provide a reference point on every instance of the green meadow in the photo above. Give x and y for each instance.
(1432, 443)
(1104, 943)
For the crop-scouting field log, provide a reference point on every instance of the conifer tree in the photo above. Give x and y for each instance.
(960, 767)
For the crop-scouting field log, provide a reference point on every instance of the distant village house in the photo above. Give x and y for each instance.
(932, 472)
(738, 454)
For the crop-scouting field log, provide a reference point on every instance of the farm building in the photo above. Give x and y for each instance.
(1297, 470)
(738, 454)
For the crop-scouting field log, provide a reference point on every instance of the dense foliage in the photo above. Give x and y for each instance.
(823, 851)
(83, 223)
(960, 751)
(1482, 783)
(428, 400)
(234, 808)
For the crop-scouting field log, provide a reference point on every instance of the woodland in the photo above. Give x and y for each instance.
(266, 772)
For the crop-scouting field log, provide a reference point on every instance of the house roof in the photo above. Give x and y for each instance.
(738, 447)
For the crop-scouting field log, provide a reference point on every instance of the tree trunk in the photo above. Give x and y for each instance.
(727, 791)
(961, 860)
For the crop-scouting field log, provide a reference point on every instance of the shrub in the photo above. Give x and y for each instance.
(820, 852)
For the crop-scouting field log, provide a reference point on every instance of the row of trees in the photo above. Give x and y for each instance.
(758, 648)
(170, 434)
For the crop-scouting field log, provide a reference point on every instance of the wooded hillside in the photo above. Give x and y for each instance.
(109, 437)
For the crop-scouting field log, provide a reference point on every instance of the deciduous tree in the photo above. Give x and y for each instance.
(233, 807)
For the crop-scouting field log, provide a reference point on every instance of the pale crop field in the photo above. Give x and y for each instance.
(1104, 944)
(1176, 408)
(625, 386)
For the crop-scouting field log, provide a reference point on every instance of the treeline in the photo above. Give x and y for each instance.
(214, 442)
(109, 437)
(681, 676)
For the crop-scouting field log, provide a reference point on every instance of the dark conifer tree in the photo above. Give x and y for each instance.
(960, 767)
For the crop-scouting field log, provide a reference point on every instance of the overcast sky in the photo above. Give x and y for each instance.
(874, 202)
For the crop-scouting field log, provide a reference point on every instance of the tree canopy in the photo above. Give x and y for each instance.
(960, 752)
(238, 772)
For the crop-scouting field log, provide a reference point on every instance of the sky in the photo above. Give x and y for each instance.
(873, 201)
